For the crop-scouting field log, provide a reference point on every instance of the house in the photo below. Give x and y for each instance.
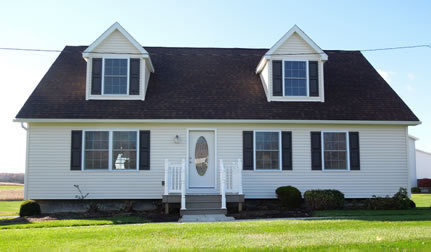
(423, 164)
(213, 125)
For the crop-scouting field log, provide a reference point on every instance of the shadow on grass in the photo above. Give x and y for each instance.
(79, 220)
(417, 214)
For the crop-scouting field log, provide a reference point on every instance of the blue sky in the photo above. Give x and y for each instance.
(254, 24)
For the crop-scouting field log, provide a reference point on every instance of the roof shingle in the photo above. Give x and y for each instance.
(216, 83)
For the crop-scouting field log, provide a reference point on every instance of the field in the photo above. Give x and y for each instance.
(357, 230)
(9, 191)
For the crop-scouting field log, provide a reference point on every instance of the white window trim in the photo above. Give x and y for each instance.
(347, 151)
(109, 151)
(103, 75)
(279, 151)
(306, 76)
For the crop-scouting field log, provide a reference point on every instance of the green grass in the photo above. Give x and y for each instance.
(11, 187)
(422, 199)
(355, 229)
(75, 222)
(275, 234)
(9, 208)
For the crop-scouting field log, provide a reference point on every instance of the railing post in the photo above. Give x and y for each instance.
(222, 185)
(239, 170)
(166, 177)
(183, 184)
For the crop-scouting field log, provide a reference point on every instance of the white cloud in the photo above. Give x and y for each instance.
(386, 75)
(411, 76)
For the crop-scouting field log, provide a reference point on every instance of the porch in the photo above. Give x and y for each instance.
(209, 198)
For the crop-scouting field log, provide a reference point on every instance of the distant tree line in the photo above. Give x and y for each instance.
(12, 177)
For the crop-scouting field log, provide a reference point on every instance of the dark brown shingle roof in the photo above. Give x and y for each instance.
(217, 83)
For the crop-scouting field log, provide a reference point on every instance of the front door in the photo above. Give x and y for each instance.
(201, 161)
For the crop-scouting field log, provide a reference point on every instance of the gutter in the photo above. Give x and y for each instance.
(217, 121)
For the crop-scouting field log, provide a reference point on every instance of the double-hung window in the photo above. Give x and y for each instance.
(110, 150)
(335, 150)
(295, 78)
(267, 150)
(115, 76)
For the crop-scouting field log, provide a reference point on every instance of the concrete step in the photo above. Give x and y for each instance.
(205, 218)
(203, 198)
(203, 211)
(192, 205)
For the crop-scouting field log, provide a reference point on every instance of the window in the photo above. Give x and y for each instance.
(96, 150)
(115, 77)
(295, 78)
(335, 151)
(124, 150)
(267, 150)
(110, 150)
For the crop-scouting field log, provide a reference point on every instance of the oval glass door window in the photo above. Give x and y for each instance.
(201, 156)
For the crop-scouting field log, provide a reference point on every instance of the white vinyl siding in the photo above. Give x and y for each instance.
(295, 44)
(383, 162)
(116, 43)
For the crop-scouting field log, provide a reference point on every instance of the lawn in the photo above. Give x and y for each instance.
(422, 200)
(275, 234)
(355, 229)
(9, 208)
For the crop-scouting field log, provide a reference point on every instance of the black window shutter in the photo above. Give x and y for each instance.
(286, 147)
(277, 78)
(134, 76)
(247, 150)
(96, 77)
(316, 151)
(313, 78)
(355, 163)
(76, 150)
(144, 150)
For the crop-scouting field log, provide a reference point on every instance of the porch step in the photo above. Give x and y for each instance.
(203, 204)
(203, 211)
(194, 198)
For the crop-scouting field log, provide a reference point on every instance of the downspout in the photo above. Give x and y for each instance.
(26, 160)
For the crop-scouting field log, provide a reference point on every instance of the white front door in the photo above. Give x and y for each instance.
(201, 161)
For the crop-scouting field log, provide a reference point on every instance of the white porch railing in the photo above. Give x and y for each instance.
(175, 179)
(230, 178)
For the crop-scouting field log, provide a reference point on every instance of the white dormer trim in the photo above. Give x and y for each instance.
(295, 29)
(295, 45)
(90, 51)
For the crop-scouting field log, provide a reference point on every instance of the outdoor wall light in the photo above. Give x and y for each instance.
(177, 139)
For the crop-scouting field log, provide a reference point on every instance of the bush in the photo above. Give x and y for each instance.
(426, 182)
(399, 201)
(29, 208)
(416, 190)
(289, 196)
(324, 199)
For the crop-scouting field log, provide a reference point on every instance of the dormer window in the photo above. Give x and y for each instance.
(115, 76)
(295, 78)
(118, 67)
(292, 70)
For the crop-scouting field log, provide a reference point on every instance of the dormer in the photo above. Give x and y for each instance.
(292, 70)
(118, 67)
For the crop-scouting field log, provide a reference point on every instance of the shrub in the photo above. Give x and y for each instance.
(426, 182)
(324, 199)
(416, 190)
(29, 208)
(289, 196)
(399, 201)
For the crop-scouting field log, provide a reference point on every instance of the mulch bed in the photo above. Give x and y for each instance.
(150, 216)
